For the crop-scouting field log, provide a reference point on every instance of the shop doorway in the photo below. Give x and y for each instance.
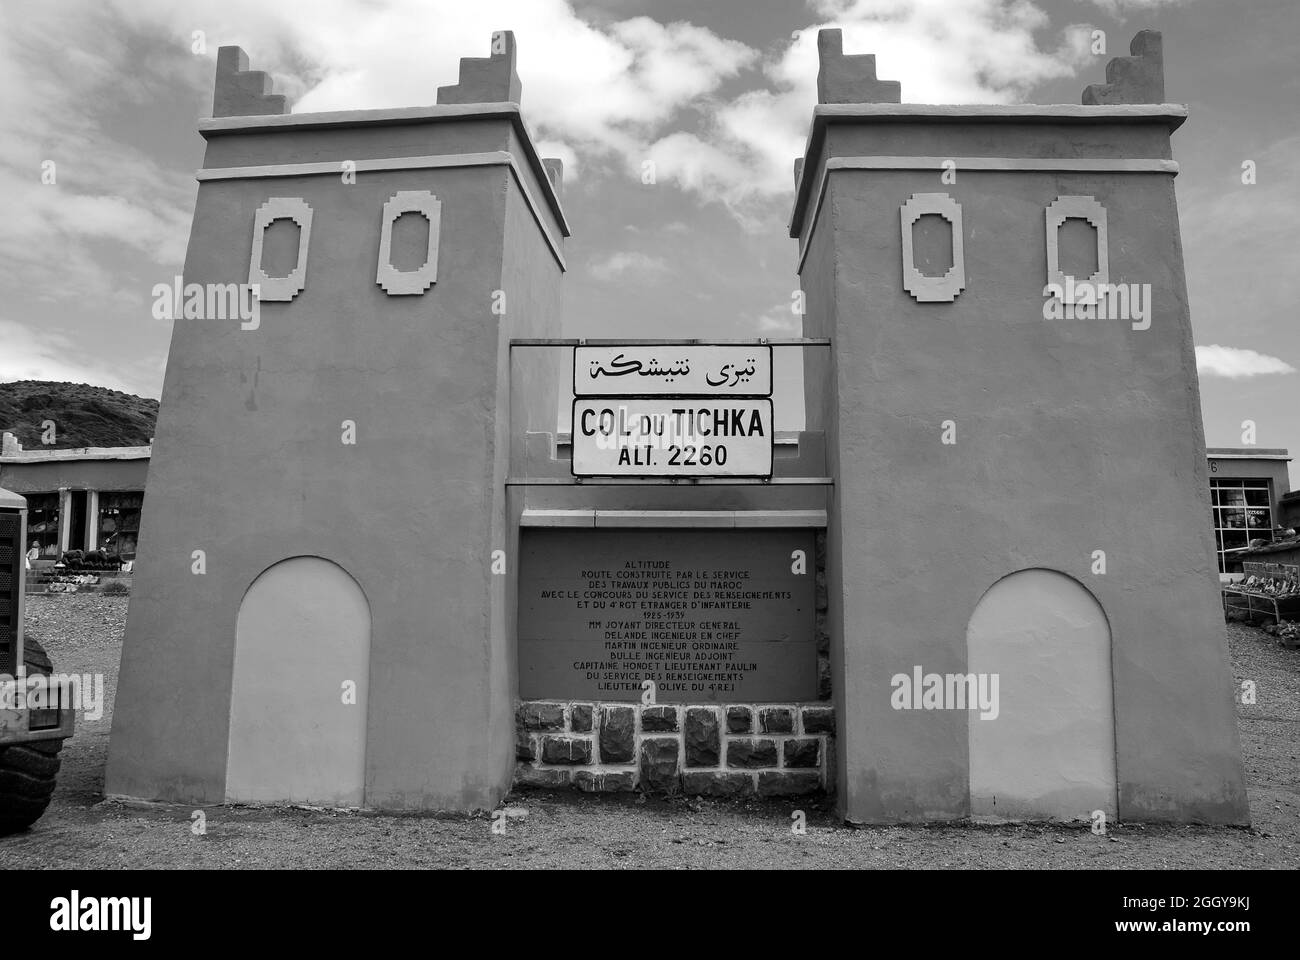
(77, 520)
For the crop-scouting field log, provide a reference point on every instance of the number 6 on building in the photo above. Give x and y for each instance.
(407, 282)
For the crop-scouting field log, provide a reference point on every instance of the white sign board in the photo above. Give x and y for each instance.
(673, 370)
(655, 437)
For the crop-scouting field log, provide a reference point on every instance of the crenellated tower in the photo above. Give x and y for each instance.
(1020, 473)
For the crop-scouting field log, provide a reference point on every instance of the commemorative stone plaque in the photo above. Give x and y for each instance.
(708, 615)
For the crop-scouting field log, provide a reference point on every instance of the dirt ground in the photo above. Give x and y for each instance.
(83, 633)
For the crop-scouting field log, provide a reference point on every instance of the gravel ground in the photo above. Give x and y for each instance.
(83, 633)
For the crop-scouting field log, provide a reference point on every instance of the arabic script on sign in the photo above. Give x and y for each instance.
(722, 370)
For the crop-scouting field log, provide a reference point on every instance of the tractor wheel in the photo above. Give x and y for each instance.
(28, 770)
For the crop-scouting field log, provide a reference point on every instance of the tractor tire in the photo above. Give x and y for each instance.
(28, 771)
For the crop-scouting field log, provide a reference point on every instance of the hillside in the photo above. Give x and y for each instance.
(84, 416)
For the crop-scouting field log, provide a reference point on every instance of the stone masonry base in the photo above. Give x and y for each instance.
(716, 750)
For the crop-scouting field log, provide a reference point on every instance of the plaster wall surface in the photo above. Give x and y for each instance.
(525, 401)
(821, 369)
(1100, 140)
(249, 467)
(1071, 436)
(437, 136)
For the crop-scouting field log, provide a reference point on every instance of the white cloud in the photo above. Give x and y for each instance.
(50, 355)
(949, 51)
(1236, 363)
(701, 167)
(635, 265)
(622, 88)
(66, 69)
(779, 321)
(565, 153)
(942, 51)
(597, 89)
(68, 76)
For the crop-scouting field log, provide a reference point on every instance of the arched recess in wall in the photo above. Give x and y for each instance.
(1049, 753)
(303, 631)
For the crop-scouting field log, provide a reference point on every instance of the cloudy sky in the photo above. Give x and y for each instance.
(718, 93)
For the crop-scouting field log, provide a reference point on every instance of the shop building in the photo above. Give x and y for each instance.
(78, 499)
(1249, 499)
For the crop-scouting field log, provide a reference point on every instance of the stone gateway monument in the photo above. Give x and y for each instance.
(977, 584)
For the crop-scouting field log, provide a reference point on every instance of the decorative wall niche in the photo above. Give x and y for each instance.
(280, 288)
(933, 289)
(409, 282)
(1081, 208)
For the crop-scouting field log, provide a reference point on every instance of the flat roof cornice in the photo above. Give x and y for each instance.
(72, 454)
(1247, 453)
(1171, 114)
(437, 113)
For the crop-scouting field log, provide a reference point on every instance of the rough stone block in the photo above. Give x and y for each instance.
(819, 720)
(703, 737)
(776, 720)
(524, 748)
(1139, 78)
(580, 718)
(794, 783)
(617, 734)
(739, 720)
(541, 778)
(566, 750)
(802, 753)
(589, 781)
(536, 715)
(717, 784)
(751, 753)
(658, 719)
(659, 756)
(489, 79)
(822, 594)
(850, 79)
